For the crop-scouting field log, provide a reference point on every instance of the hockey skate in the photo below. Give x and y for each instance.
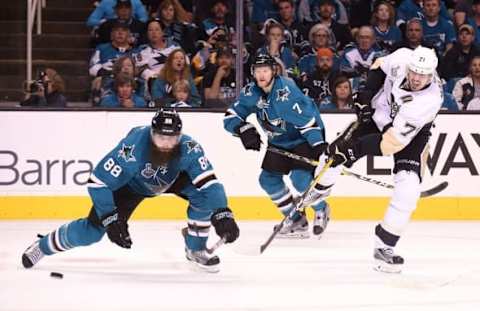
(387, 261)
(294, 229)
(32, 255)
(202, 260)
(320, 221)
(317, 195)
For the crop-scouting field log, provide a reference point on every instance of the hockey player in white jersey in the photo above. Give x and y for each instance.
(394, 115)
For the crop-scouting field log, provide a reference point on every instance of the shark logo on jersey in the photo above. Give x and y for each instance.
(272, 127)
(247, 90)
(193, 146)
(282, 94)
(163, 169)
(148, 171)
(262, 103)
(126, 153)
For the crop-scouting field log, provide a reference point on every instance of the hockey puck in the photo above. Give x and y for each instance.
(57, 275)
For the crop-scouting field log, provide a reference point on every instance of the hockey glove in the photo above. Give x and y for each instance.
(363, 110)
(225, 225)
(117, 230)
(319, 149)
(249, 136)
(342, 150)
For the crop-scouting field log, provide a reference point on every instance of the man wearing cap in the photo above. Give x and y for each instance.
(217, 19)
(457, 60)
(123, 9)
(105, 54)
(106, 10)
(219, 82)
(341, 32)
(317, 84)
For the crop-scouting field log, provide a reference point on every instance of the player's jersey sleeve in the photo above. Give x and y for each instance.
(241, 109)
(300, 111)
(202, 175)
(115, 170)
(393, 64)
(413, 116)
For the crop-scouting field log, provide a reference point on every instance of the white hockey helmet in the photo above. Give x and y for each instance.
(423, 61)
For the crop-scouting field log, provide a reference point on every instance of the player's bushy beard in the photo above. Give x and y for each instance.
(159, 157)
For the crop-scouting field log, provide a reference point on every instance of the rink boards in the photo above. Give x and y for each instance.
(46, 157)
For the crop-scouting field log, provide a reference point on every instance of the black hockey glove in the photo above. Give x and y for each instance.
(249, 136)
(225, 225)
(319, 149)
(363, 109)
(341, 150)
(117, 230)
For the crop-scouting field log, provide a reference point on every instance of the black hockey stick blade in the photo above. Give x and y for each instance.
(437, 189)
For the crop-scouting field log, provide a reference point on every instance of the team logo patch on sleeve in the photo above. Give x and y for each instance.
(193, 147)
(126, 153)
(282, 94)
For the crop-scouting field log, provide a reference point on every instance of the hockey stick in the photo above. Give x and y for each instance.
(212, 249)
(427, 193)
(298, 208)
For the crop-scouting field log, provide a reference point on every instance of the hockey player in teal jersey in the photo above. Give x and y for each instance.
(149, 161)
(291, 122)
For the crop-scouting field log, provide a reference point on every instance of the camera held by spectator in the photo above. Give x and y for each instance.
(46, 90)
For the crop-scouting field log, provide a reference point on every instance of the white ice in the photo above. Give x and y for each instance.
(442, 271)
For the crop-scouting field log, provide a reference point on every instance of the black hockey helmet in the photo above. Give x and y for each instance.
(264, 60)
(167, 122)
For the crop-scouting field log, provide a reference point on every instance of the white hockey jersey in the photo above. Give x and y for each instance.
(151, 60)
(407, 111)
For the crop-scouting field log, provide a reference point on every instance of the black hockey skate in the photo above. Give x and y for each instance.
(320, 222)
(387, 261)
(295, 229)
(203, 260)
(32, 255)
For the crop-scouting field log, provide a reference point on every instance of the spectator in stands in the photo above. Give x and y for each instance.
(124, 95)
(181, 93)
(475, 20)
(183, 9)
(410, 9)
(176, 68)
(219, 82)
(320, 36)
(263, 10)
(358, 57)
(47, 91)
(317, 83)
(295, 32)
(437, 30)
(124, 65)
(309, 11)
(218, 19)
(176, 30)
(153, 55)
(383, 22)
(102, 60)
(275, 46)
(341, 98)
(123, 10)
(106, 10)
(457, 61)
(341, 31)
(467, 90)
(413, 36)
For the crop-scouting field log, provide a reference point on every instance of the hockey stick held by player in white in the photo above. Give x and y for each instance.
(427, 193)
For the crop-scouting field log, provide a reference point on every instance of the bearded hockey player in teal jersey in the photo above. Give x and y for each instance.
(292, 122)
(149, 161)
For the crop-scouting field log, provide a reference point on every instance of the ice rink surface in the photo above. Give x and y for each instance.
(442, 271)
